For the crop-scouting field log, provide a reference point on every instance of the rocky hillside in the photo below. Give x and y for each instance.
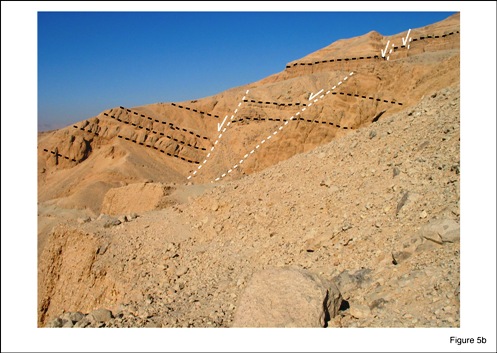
(343, 207)
(376, 212)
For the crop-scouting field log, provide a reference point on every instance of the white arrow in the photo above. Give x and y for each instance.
(219, 127)
(383, 52)
(404, 41)
(312, 96)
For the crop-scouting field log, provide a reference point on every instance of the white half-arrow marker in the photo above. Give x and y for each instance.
(219, 127)
(404, 41)
(312, 96)
(383, 52)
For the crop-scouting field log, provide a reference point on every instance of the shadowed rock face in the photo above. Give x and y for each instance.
(373, 208)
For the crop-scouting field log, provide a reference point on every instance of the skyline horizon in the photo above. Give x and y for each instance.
(83, 71)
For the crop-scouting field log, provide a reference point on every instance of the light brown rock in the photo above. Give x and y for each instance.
(100, 315)
(137, 197)
(360, 311)
(287, 297)
(441, 231)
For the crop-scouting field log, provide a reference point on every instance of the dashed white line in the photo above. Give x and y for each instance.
(220, 135)
(279, 129)
(390, 52)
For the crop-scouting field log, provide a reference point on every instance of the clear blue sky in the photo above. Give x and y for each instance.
(91, 61)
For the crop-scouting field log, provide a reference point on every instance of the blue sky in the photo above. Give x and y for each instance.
(91, 61)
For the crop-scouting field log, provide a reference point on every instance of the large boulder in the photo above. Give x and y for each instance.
(138, 197)
(100, 315)
(287, 297)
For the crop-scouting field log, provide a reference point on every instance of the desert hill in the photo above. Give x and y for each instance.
(99, 153)
(347, 185)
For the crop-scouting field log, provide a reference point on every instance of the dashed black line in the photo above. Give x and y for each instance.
(246, 118)
(156, 132)
(220, 135)
(278, 104)
(369, 57)
(170, 125)
(59, 155)
(429, 36)
(195, 110)
(356, 95)
(280, 128)
(394, 48)
(373, 57)
(82, 129)
(321, 122)
(145, 145)
(159, 150)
